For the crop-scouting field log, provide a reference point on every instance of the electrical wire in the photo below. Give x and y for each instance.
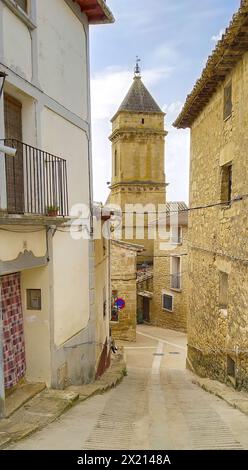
(190, 209)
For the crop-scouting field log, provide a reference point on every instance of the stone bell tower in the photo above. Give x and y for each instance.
(138, 146)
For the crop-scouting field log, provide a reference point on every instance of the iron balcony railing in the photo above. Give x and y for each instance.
(36, 181)
(176, 281)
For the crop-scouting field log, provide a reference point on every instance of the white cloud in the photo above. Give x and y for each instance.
(218, 36)
(109, 88)
(166, 53)
(172, 110)
(176, 155)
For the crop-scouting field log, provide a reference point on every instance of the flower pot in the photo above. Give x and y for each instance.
(52, 212)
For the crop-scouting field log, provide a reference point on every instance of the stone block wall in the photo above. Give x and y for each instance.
(218, 236)
(176, 320)
(123, 279)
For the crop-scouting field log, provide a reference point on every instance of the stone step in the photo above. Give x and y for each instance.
(22, 395)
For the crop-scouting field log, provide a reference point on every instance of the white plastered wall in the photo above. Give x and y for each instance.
(70, 257)
(62, 55)
(16, 44)
(12, 244)
(37, 326)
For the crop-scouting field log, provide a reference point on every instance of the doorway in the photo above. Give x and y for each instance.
(14, 166)
(146, 309)
(13, 330)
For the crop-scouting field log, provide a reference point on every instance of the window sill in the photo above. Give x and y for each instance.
(227, 118)
(227, 211)
(226, 205)
(169, 311)
(223, 312)
(174, 289)
(24, 17)
(232, 380)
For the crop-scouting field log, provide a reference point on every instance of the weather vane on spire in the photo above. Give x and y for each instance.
(137, 69)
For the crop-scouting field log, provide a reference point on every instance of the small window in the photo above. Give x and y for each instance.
(142, 121)
(175, 272)
(223, 291)
(228, 101)
(226, 184)
(23, 4)
(116, 163)
(231, 367)
(167, 302)
(33, 299)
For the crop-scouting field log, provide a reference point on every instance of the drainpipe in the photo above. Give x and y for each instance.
(92, 314)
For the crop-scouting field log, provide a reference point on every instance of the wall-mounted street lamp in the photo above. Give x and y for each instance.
(3, 76)
(9, 151)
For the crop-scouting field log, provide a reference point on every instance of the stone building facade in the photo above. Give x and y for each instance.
(144, 293)
(138, 178)
(47, 303)
(169, 305)
(124, 286)
(102, 296)
(217, 113)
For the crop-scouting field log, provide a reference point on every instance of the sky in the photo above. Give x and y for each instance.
(173, 38)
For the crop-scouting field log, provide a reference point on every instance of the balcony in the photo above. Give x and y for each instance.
(36, 182)
(176, 281)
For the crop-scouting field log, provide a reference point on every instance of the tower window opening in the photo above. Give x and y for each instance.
(142, 121)
(116, 163)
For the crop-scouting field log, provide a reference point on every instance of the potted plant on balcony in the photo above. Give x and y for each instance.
(52, 211)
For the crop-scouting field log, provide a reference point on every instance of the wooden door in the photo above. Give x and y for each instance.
(14, 165)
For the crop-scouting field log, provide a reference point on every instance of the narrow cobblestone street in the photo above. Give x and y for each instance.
(155, 407)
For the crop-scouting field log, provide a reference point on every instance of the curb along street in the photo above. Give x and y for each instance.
(49, 405)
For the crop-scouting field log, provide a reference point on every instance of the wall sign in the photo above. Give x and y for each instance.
(120, 303)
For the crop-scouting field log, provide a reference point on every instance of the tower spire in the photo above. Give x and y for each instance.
(137, 69)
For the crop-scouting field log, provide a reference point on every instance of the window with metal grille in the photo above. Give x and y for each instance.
(167, 302)
(226, 183)
(228, 101)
